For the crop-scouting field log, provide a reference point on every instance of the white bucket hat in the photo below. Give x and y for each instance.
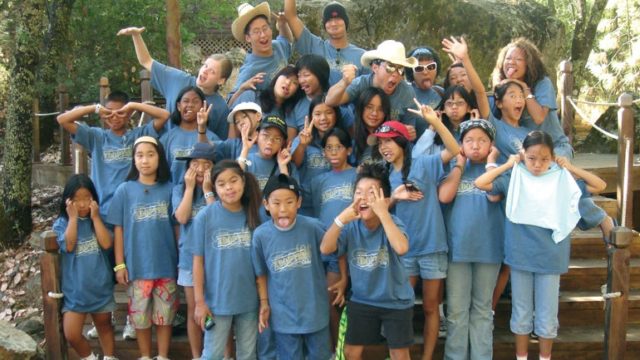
(246, 13)
(244, 106)
(391, 51)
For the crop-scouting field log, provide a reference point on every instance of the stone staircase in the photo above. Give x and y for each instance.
(581, 314)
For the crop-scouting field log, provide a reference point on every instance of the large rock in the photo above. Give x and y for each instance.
(16, 344)
(488, 25)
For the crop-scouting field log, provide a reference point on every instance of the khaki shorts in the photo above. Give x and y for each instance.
(152, 302)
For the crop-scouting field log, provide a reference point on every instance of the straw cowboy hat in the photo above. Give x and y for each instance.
(246, 13)
(391, 51)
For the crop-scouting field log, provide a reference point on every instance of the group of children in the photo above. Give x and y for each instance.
(331, 181)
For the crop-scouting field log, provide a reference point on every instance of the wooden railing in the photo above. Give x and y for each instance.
(616, 291)
(56, 345)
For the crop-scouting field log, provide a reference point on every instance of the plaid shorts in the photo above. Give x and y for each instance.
(152, 301)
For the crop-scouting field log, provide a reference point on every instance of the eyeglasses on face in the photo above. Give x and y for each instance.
(333, 148)
(429, 67)
(456, 103)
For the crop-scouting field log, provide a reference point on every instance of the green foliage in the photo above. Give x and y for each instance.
(97, 51)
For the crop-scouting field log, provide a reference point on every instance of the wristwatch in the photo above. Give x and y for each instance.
(530, 96)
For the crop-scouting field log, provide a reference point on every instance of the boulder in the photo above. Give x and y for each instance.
(16, 344)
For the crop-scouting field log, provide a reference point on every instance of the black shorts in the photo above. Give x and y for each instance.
(365, 324)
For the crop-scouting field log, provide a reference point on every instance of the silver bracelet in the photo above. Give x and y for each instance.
(210, 194)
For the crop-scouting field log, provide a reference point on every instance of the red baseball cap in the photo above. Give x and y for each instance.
(389, 129)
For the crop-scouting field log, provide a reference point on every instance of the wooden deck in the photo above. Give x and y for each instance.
(606, 166)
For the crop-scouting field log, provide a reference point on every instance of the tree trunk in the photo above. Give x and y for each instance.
(585, 34)
(16, 180)
(174, 45)
(53, 67)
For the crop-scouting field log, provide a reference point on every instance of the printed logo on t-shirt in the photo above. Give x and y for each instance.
(341, 192)
(181, 152)
(370, 260)
(317, 161)
(87, 246)
(300, 257)
(233, 240)
(154, 211)
(467, 187)
(516, 144)
(113, 155)
(262, 181)
(195, 209)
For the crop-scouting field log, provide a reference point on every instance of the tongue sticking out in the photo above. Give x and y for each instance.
(284, 222)
(510, 72)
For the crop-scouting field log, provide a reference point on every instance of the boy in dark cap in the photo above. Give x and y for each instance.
(290, 274)
(336, 49)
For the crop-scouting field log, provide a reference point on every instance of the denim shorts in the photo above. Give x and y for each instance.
(185, 277)
(429, 266)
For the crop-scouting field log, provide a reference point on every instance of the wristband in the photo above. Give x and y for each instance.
(98, 107)
(338, 223)
(202, 132)
(459, 166)
(530, 96)
(119, 267)
(490, 165)
(210, 194)
(243, 160)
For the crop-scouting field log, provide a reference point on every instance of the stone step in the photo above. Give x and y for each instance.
(585, 343)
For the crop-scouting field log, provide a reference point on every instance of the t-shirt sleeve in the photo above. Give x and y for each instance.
(257, 255)
(343, 239)
(197, 238)
(430, 167)
(501, 184)
(357, 86)
(165, 78)
(86, 136)
(284, 44)
(546, 94)
(176, 197)
(115, 216)
(307, 42)
(59, 227)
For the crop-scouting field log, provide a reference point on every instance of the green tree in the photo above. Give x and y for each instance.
(27, 32)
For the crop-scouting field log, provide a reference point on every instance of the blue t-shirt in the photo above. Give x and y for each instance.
(331, 193)
(429, 97)
(263, 168)
(224, 240)
(295, 119)
(508, 138)
(144, 213)
(87, 277)
(546, 96)
(313, 164)
(531, 248)
(110, 157)
(185, 257)
(292, 262)
(178, 143)
(309, 43)
(378, 277)
(475, 225)
(170, 81)
(230, 149)
(401, 99)
(423, 218)
(270, 65)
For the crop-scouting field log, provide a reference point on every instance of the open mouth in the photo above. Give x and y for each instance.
(283, 221)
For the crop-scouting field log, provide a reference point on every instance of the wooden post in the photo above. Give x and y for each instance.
(56, 346)
(174, 44)
(146, 92)
(565, 88)
(36, 130)
(617, 307)
(65, 139)
(104, 92)
(626, 138)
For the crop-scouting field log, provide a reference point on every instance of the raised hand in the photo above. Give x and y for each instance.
(94, 210)
(456, 47)
(203, 115)
(306, 133)
(494, 154)
(403, 193)
(207, 185)
(514, 159)
(351, 213)
(190, 178)
(284, 156)
(72, 210)
(131, 31)
(564, 162)
(252, 82)
(379, 205)
(349, 72)
(247, 142)
(426, 112)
